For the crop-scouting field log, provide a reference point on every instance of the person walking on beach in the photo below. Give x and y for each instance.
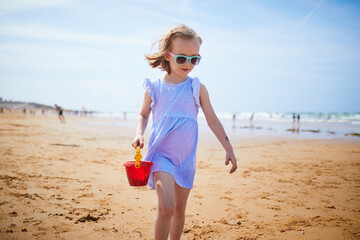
(174, 100)
(234, 120)
(60, 111)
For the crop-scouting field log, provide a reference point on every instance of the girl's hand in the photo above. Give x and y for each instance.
(230, 157)
(138, 141)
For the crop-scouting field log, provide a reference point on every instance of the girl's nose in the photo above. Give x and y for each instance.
(188, 64)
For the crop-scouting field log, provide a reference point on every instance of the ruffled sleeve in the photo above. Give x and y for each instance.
(195, 84)
(149, 87)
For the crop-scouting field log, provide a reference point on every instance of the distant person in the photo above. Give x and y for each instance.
(251, 119)
(1, 110)
(234, 120)
(296, 123)
(174, 136)
(83, 112)
(252, 116)
(60, 111)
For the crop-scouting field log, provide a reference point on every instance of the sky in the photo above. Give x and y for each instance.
(257, 55)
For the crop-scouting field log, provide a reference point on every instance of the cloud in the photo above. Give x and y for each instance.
(7, 7)
(164, 9)
(312, 12)
(151, 13)
(53, 50)
(49, 57)
(46, 32)
(97, 84)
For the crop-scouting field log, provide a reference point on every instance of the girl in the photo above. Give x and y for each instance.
(174, 100)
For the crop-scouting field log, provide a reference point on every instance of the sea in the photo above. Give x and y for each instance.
(299, 125)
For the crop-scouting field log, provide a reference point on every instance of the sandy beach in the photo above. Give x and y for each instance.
(67, 181)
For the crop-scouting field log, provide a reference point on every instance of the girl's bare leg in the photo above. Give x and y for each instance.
(165, 189)
(178, 218)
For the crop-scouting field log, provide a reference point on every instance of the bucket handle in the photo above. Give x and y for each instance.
(137, 157)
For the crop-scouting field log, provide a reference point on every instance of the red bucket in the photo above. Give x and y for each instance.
(138, 172)
(138, 176)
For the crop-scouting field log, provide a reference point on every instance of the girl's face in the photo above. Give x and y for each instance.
(186, 47)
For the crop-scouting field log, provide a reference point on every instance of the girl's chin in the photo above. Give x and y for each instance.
(185, 71)
(182, 72)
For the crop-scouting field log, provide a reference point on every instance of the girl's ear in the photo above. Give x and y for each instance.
(167, 56)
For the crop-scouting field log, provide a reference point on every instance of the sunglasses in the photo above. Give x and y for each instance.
(181, 59)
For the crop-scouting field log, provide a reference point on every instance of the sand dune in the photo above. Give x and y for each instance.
(66, 181)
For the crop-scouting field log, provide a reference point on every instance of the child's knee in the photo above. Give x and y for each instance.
(166, 210)
(179, 209)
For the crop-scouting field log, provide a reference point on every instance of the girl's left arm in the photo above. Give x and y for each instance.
(216, 127)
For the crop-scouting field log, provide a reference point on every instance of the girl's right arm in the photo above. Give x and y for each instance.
(142, 121)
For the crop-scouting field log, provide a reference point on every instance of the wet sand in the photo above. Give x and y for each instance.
(66, 181)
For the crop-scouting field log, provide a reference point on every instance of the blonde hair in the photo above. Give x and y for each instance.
(157, 60)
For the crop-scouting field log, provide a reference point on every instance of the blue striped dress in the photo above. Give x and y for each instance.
(174, 134)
